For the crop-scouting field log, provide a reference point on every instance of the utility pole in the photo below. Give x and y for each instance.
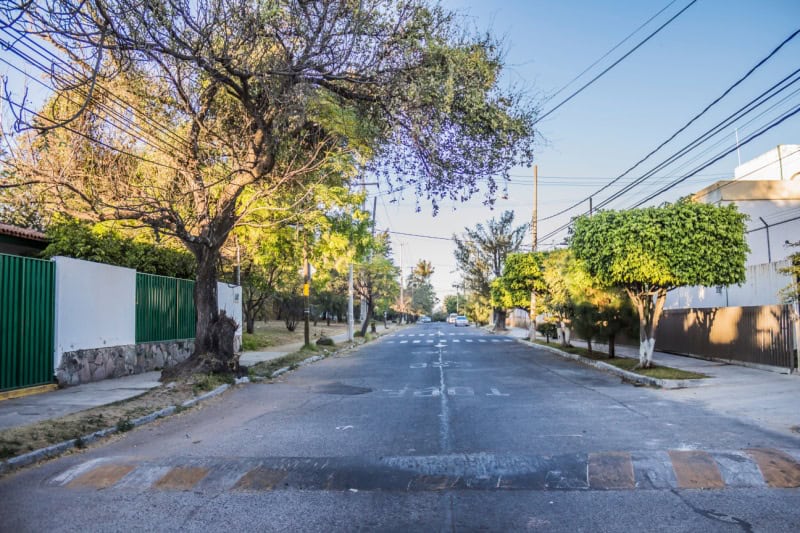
(306, 293)
(402, 297)
(534, 244)
(591, 209)
(350, 304)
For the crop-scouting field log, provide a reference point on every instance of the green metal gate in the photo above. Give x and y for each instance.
(26, 321)
(164, 308)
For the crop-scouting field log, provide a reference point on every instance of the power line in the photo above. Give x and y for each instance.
(714, 159)
(682, 128)
(623, 41)
(720, 127)
(752, 137)
(615, 63)
(740, 178)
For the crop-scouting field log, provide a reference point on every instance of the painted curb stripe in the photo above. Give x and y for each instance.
(696, 470)
(779, 469)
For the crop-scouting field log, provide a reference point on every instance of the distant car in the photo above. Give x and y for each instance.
(424, 319)
(461, 320)
(451, 318)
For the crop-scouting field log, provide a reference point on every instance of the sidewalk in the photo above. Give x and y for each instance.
(56, 404)
(762, 397)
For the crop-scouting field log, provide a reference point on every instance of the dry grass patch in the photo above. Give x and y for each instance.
(625, 363)
(274, 333)
(21, 440)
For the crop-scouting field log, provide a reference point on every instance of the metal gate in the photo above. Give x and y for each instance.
(762, 335)
(164, 308)
(26, 321)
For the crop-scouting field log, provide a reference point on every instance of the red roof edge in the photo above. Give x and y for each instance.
(23, 233)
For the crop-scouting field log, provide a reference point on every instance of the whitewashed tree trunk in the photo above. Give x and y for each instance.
(564, 333)
(649, 305)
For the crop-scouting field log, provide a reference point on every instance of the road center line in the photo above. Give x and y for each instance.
(444, 415)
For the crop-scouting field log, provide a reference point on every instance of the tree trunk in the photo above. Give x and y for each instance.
(251, 323)
(499, 319)
(564, 333)
(205, 300)
(589, 345)
(214, 331)
(612, 346)
(370, 309)
(649, 306)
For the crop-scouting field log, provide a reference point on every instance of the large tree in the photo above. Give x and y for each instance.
(481, 253)
(522, 275)
(650, 251)
(375, 280)
(182, 115)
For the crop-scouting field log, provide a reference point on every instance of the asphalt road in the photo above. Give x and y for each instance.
(433, 428)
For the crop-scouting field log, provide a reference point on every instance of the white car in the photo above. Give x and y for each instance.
(461, 320)
(424, 319)
(451, 318)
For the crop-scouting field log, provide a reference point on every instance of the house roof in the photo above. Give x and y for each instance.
(22, 233)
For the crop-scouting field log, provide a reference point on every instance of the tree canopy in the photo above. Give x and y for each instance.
(650, 251)
(183, 116)
(481, 253)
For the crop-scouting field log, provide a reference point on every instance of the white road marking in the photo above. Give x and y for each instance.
(396, 393)
(415, 341)
(461, 391)
(418, 365)
(75, 471)
(430, 392)
(401, 342)
(495, 392)
(342, 428)
(468, 340)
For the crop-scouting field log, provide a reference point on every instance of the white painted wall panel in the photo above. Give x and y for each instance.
(229, 298)
(95, 306)
(762, 287)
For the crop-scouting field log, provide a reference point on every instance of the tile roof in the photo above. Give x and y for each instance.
(23, 233)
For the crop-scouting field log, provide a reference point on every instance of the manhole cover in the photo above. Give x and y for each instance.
(342, 389)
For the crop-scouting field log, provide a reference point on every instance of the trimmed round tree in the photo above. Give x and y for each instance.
(650, 251)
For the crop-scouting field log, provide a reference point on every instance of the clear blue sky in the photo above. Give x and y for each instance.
(621, 117)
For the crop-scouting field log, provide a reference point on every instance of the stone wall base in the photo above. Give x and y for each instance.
(84, 366)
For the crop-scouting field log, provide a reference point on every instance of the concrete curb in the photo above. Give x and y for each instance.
(61, 447)
(624, 374)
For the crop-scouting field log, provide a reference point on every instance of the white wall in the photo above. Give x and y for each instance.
(780, 163)
(761, 287)
(95, 306)
(229, 298)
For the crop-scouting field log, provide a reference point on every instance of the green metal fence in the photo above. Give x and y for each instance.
(26, 321)
(164, 308)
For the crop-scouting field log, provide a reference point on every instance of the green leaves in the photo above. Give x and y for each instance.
(678, 244)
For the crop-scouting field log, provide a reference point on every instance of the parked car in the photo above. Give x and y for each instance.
(451, 319)
(461, 320)
(425, 319)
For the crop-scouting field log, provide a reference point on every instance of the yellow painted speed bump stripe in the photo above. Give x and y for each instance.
(260, 478)
(611, 471)
(695, 470)
(181, 478)
(779, 469)
(102, 476)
